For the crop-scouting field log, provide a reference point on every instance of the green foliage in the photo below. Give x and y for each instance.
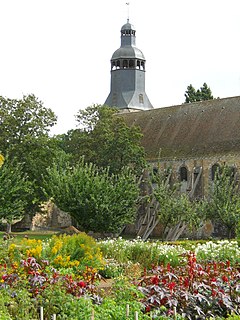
(15, 191)
(16, 303)
(238, 230)
(24, 128)
(146, 253)
(98, 200)
(233, 317)
(205, 288)
(114, 307)
(175, 208)
(193, 95)
(105, 140)
(120, 253)
(4, 314)
(65, 306)
(224, 199)
(79, 248)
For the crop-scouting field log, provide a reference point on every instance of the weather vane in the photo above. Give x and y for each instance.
(128, 3)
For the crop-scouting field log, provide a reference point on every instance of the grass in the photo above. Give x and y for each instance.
(38, 235)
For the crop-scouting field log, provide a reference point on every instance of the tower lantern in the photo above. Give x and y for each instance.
(127, 91)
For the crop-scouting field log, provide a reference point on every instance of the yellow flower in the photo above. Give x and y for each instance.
(12, 247)
(58, 260)
(54, 250)
(1, 160)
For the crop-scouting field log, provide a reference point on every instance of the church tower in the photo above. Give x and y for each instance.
(127, 91)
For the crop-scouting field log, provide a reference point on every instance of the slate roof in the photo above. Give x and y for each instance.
(191, 130)
(128, 52)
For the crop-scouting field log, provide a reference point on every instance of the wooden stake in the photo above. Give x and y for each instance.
(175, 313)
(92, 317)
(41, 313)
(127, 310)
(136, 315)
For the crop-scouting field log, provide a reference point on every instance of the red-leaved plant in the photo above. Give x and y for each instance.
(195, 291)
(37, 276)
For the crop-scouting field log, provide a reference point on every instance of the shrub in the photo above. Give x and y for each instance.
(78, 251)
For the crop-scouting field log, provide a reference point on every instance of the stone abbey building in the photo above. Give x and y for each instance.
(193, 139)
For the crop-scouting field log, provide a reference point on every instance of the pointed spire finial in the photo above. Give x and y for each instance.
(128, 3)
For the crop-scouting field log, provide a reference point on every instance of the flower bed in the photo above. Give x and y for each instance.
(156, 280)
(195, 291)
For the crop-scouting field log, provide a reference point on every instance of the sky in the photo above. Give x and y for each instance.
(60, 50)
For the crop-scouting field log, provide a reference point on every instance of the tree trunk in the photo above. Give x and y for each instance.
(9, 227)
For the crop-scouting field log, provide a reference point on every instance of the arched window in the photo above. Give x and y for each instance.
(183, 174)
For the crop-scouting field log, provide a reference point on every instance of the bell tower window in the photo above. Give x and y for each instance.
(131, 63)
(125, 64)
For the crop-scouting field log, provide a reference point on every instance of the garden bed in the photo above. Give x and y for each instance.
(76, 276)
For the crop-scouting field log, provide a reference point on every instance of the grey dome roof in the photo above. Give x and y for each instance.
(128, 52)
(127, 26)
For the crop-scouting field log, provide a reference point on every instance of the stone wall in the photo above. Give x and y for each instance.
(208, 229)
(192, 163)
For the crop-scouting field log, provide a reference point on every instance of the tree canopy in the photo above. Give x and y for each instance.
(98, 200)
(176, 211)
(15, 191)
(105, 140)
(224, 199)
(193, 95)
(24, 129)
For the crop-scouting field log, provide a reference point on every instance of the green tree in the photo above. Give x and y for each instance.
(193, 95)
(176, 211)
(95, 198)
(24, 129)
(224, 199)
(15, 191)
(105, 140)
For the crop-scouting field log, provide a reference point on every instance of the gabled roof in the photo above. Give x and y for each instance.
(190, 130)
